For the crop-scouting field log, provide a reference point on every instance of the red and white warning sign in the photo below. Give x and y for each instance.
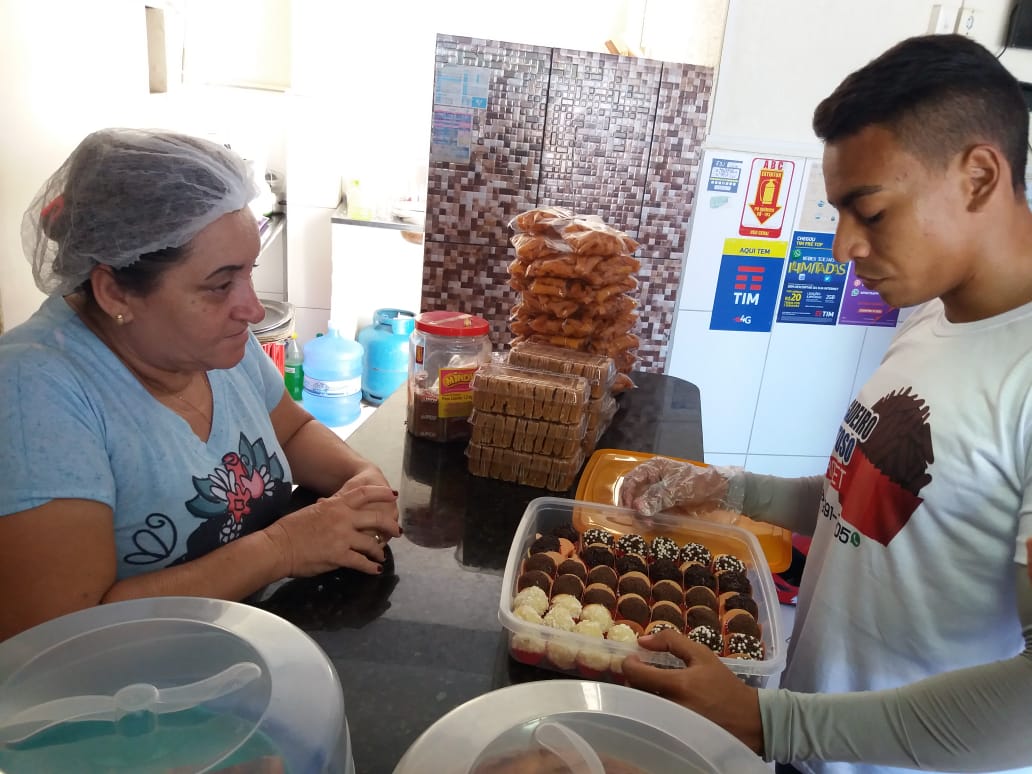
(770, 181)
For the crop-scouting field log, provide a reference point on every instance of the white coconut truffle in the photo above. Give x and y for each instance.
(559, 618)
(528, 644)
(599, 614)
(534, 597)
(561, 655)
(528, 614)
(620, 633)
(569, 602)
(589, 628)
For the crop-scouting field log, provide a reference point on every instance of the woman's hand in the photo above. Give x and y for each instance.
(370, 475)
(704, 685)
(661, 483)
(347, 529)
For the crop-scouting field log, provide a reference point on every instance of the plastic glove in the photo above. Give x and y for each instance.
(662, 483)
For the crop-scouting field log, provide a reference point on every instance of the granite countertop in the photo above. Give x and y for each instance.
(423, 638)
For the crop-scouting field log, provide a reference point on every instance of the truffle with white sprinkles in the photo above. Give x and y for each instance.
(725, 562)
(596, 535)
(632, 544)
(744, 646)
(695, 552)
(664, 548)
(708, 636)
(533, 596)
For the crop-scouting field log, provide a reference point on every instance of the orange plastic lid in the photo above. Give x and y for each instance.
(603, 475)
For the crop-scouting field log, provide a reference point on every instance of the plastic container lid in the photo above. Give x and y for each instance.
(181, 683)
(632, 726)
(443, 323)
(603, 475)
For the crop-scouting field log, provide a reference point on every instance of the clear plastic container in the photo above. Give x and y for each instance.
(527, 435)
(531, 394)
(333, 378)
(557, 474)
(169, 683)
(533, 643)
(445, 351)
(599, 370)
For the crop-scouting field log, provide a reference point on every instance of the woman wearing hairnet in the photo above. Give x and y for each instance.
(149, 444)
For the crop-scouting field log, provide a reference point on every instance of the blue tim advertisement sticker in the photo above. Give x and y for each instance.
(724, 175)
(746, 294)
(813, 285)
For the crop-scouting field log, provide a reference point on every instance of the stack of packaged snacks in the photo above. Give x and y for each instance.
(574, 274)
(599, 370)
(528, 426)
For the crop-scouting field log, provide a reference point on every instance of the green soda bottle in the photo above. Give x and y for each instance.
(293, 368)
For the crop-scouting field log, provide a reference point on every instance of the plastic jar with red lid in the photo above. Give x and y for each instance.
(445, 350)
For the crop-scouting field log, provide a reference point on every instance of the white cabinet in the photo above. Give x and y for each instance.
(270, 274)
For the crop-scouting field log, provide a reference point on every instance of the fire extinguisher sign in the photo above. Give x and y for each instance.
(763, 213)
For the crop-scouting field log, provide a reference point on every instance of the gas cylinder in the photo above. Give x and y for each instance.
(385, 360)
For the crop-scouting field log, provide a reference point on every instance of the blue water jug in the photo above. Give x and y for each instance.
(385, 362)
(333, 378)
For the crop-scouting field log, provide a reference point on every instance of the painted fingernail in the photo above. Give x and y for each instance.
(379, 569)
(401, 531)
(395, 492)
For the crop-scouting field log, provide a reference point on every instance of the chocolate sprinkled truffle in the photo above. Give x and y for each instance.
(708, 636)
(667, 591)
(567, 531)
(635, 583)
(701, 616)
(599, 594)
(657, 626)
(632, 544)
(669, 612)
(631, 563)
(568, 584)
(736, 601)
(545, 543)
(725, 562)
(596, 554)
(733, 581)
(633, 608)
(537, 578)
(698, 575)
(700, 595)
(596, 536)
(744, 646)
(664, 548)
(665, 569)
(602, 574)
(741, 622)
(695, 552)
(574, 566)
(543, 561)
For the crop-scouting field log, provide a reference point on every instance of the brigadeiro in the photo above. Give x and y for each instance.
(545, 543)
(537, 578)
(602, 574)
(633, 607)
(730, 580)
(634, 583)
(741, 622)
(657, 626)
(631, 563)
(597, 554)
(567, 531)
(669, 612)
(667, 591)
(700, 595)
(743, 646)
(596, 536)
(664, 548)
(568, 584)
(725, 562)
(599, 594)
(574, 566)
(632, 544)
(665, 569)
(698, 575)
(546, 561)
(708, 636)
(695, 552)
(734, 601)
(701, 616)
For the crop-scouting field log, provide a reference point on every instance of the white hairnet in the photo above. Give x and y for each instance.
(123, 193)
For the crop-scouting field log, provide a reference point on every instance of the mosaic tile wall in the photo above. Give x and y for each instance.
(617, 136)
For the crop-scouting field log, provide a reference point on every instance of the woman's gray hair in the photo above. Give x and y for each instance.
(124, 193)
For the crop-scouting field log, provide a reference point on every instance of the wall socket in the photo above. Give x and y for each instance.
(968, 22)
(944, 19)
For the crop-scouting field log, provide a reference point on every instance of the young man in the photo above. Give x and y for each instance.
(912, 645)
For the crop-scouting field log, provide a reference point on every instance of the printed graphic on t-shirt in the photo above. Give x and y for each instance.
(244, 494)
(879, 467)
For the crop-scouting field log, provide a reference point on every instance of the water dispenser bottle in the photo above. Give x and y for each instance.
(385, 362)
(333, 378)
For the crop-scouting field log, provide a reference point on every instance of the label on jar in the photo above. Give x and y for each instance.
(333, 389)
(419, 354)
(456, 389)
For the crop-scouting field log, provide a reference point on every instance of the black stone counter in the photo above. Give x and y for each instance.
(422, 639)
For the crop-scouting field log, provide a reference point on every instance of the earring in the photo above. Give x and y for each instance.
(119, 319)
